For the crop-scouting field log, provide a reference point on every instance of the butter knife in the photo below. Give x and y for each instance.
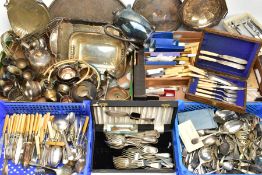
(226, 63)
(225, 57)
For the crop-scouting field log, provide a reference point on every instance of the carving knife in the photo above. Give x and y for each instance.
(226, 63)
(225, 57)
(3, 134)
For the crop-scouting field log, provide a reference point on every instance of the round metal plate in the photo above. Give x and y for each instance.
(198, 14)
(89, 10)
(161, 14)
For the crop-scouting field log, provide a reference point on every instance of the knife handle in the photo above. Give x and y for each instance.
(207, 59)
(39, 124)
(27, 123)
(197, 70)
(205, 92)
(14, 124)
(23, 125)
(10, 123)
(6, 123)
(19, 124)
(204, 95)
(207, 81)
(35, 122)
(209, 53)
(31, 127)
(85, 125)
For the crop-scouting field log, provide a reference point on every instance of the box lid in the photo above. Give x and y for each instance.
(228, 44)
(162, 113)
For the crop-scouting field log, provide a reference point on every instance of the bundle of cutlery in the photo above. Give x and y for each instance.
(44, 140)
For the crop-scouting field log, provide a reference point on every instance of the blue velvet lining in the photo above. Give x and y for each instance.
(228, 46)
(240, 94)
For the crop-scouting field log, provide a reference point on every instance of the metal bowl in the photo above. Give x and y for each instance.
(67, 73)
(198, 14)
(117, 93)
(161, 14)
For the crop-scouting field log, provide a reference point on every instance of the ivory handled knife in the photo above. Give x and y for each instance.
(225, 63)
(225, 57)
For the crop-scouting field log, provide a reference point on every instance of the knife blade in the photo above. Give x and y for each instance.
(220, 80)
(225, 57)
(226, 63)
(3, 134)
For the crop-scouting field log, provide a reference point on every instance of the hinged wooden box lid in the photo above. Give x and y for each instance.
(227, 56)
(141, 114)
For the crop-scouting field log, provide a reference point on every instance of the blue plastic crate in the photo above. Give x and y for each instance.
(57, 109)
(254, 108)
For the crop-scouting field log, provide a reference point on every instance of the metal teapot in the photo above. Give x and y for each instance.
(134, 26)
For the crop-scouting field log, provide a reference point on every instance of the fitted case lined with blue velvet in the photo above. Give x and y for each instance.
(232, 45)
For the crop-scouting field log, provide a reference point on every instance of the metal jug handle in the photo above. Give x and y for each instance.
(106, 27)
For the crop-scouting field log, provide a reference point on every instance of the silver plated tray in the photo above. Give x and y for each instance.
(90, 10)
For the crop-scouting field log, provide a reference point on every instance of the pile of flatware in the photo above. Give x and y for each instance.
(45, 141)
(141, 154)
(234, 148)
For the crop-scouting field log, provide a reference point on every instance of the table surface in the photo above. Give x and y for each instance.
(235, 7)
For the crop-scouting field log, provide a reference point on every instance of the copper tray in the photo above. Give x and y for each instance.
(90, 10)
(161, 14)
(198, 14)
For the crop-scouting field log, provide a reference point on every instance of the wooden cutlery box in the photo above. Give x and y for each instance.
(224, 43)
(163, 115)
(141, 82)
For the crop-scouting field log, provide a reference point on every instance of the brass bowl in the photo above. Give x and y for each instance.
(161, 14)
(198, 14)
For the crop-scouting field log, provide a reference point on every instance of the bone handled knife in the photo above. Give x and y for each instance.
(226, 63)
(211, 85)
(225, 57)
